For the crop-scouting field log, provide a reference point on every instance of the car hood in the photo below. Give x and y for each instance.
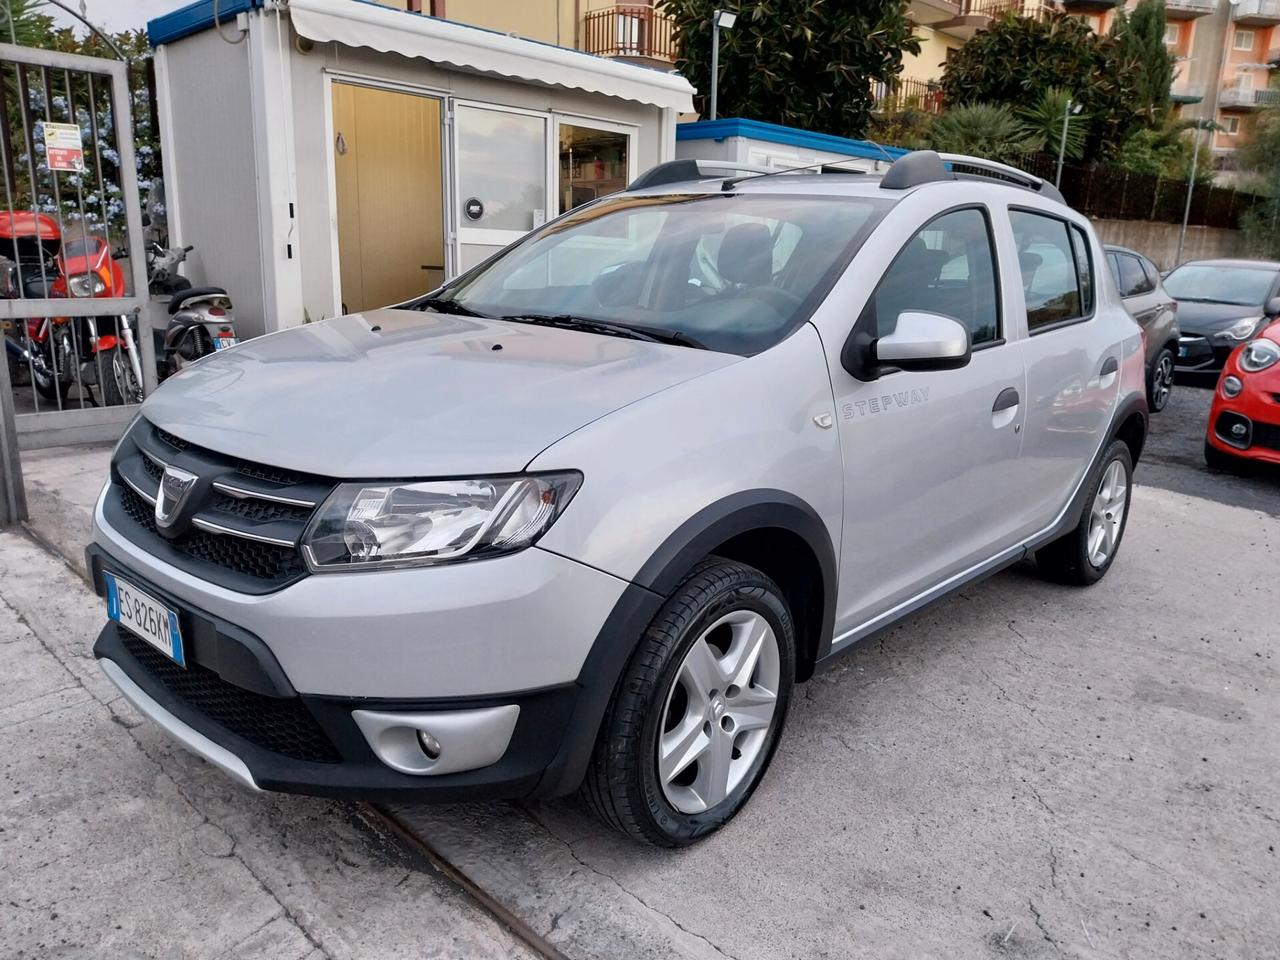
(402, 393)
(1204, 319)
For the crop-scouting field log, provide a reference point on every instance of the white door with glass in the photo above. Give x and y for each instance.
(504, 186)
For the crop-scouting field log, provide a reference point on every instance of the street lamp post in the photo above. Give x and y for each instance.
(720, 20)
(1191, 186)
(1072, 108)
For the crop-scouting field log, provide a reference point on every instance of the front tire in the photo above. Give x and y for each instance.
(1085, 554)
(1217, 460)
(119, 384)
(699, 709)
(1160, 380)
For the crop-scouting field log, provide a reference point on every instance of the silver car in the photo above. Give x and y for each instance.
(585, 516)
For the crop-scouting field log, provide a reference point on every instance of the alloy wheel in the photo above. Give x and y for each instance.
(1107, 514)
(1162, 383)
(717, 714)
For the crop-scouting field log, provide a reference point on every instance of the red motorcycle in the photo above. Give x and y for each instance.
(106, 348)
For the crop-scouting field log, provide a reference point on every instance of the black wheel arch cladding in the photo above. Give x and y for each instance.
(719, 523)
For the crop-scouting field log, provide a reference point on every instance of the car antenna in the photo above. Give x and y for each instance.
(732, 182)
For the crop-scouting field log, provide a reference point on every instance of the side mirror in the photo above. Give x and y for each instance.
(923, 341)
(1272, 308)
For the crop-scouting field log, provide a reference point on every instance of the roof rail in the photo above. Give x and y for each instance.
(681, 171)
(926, 166)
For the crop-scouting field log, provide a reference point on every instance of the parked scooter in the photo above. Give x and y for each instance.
(201, 319)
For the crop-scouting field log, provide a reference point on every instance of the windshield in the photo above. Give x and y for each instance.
(1242, 286)
(728, 272)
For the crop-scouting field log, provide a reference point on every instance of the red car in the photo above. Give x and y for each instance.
(1244, 422)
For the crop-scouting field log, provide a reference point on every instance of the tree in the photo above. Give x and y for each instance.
(808, 63)
(1018, 59)
(985, 130)
(1042, 123)
(1140, 36)
(1262, 157)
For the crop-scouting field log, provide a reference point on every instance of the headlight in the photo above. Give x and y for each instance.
(367, 525)
(1241, 329)
(86, 286)
(1259, 355)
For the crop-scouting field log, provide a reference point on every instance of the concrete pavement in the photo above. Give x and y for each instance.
(1025, 770)
(118, 844)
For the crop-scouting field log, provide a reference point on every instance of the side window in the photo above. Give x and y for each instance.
(1153, 275)
(947, 268)
(1133, 279)
(1057, 277)
(1114, 266)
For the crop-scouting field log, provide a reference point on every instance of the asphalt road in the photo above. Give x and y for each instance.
(1174, 455)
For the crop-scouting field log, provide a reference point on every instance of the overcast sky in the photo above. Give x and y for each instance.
(116, 15)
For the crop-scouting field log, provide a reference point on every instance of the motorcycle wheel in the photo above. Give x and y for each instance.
(119, 385)
(59, 354)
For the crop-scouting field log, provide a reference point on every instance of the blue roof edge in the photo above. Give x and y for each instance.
(193, 18)
(791, 136)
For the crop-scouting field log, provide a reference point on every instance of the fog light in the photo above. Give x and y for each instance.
(429, 744)
(1231, 387)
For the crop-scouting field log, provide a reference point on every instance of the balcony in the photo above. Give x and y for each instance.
(1089, 6)
(1256, 13)
(976, 15)
(1188, 9)
(927, 13)
(1244, 98)
(907, 94)
(635, 32)
(1182, 92)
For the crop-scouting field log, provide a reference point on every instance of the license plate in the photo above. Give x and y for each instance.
(145, 616)
(222, 343)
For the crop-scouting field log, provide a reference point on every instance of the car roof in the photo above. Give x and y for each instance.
(1116, 248)
(1234, 262)
(908, 173)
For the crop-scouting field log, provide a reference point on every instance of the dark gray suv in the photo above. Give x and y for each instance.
(1146, 299)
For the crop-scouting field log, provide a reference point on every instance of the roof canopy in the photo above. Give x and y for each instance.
(360, 24)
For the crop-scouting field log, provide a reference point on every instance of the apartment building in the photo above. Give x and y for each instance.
(1226, 49)
(1226, 52)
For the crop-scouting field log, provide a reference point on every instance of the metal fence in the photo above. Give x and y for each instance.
(1113, 193)
(72, 265)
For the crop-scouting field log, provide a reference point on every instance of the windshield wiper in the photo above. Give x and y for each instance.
(443, 305)
(569, 322)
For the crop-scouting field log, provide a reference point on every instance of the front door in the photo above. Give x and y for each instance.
(388, 165)
(930, 459)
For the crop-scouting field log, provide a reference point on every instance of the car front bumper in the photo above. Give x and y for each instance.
(1197, 354)
(303, 690)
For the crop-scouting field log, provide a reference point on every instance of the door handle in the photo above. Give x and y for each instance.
(1008, 398)
(1109, 366)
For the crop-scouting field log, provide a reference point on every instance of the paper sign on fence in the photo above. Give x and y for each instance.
(64, 149)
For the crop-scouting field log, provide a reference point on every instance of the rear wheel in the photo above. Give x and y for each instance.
(697, 714)
(59, 355)
(1160, 380)
(1085, 554)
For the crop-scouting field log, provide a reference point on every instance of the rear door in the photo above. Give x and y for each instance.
(1073, 368)
(930, 459)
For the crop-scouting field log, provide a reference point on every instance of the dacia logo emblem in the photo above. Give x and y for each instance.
(175, 487)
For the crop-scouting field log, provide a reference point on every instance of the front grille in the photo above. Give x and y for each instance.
(248, 542)
(1266, 435)
(262, 561)
(168, 439)
(282, 725)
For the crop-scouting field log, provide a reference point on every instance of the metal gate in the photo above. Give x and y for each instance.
(79, 353)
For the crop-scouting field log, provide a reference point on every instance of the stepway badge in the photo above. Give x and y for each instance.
(64, 149)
